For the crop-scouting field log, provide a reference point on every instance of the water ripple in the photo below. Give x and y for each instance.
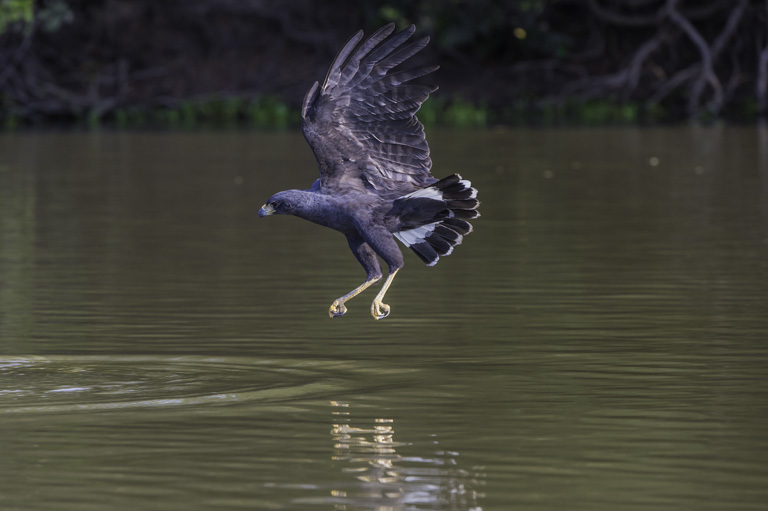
(58, 384)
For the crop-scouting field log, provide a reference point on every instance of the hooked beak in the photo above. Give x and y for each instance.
(266, 210)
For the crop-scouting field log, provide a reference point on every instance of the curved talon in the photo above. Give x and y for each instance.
(379, 310)
(337, 309)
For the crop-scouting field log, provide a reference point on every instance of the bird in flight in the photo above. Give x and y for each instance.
(375, 183)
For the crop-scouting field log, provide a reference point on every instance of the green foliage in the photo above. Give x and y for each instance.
(261, 112)
(654, 112)
(531, 110)
(53, 15)
(748, 109)
(220, 112)
(10, 120)
(462, 114)
(602, 112)
(267, 112)
(456, 113)
(93, 120)
(428, 113)
(22, 13)
(131, 118)
(16, 11)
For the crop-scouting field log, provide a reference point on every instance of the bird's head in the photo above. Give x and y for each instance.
(281, 203)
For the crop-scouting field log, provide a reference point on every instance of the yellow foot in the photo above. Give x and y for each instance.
(379, 310)
(337, 309)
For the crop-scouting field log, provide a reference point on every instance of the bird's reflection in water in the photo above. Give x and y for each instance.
(384, 480)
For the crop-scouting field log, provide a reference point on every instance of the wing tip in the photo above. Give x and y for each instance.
(308, 99)
(383, 32)
(342, 55)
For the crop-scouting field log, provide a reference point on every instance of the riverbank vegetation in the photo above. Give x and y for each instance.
(141, 63)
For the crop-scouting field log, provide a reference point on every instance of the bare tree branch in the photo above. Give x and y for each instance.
(706, 11)
(636, 65)
(730, 27)
(626, 79)
(673, 83)
(707, 73)
(762, 76)
(616, 18)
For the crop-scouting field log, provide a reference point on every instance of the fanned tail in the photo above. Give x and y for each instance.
(433, 220)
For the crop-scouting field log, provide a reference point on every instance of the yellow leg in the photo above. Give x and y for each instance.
(380, 310)
(337, 307)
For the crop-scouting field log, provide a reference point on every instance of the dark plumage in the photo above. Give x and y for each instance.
(375, 183)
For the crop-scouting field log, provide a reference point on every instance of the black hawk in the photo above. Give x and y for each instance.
(375, 183)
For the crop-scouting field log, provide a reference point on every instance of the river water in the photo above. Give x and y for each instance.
(600, 342)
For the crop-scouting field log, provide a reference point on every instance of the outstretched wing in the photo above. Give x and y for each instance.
(361, 123)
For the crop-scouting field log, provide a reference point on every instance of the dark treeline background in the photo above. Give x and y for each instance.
(134, 62)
